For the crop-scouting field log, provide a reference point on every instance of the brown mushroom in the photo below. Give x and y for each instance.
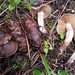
(8, 49)
(4, 36)
(40, 12)
(32, 31)
(66, 25)
(17, 34)
(43, 7)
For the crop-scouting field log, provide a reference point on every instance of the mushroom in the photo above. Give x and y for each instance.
(4, 36)
(66, 25)
(8, 49)
(40, 11)
(17, 34)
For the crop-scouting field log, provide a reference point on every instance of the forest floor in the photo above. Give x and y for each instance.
(24, 62)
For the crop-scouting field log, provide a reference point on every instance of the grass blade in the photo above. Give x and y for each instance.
(46, 65)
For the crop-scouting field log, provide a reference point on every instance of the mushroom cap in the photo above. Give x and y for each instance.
(8, 49)
(4, 37)
(65, 18)
(44, 7)
(61, 27)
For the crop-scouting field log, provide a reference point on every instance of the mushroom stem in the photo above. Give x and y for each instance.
(68, 39)
(41, 22)
(69, 34)
(72, 58)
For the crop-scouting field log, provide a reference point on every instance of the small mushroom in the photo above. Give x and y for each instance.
(8, 49)
(66, 25)
(40, 11)
(4, 36)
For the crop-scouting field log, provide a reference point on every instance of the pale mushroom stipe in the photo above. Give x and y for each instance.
(66, 25)
(40, 12)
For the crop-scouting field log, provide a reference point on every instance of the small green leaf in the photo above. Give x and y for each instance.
(17, 1)
(28, 6)
(46, 65)
(46, 50)
(11, 7)
(11, 1)
(37, 72)
(50, 26)
(51, 48)
(45, 43)
(63, 73)
(62, 36)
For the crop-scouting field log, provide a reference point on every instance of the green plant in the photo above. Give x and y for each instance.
(63, 73)
(51, 26)
(62, 36)
(26, 5)
(37, 72)
(48, 71)
(47, 47)
(13, 4)
(46, 65)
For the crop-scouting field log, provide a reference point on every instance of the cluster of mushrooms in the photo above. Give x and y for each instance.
(7, 46)
(66, 25)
